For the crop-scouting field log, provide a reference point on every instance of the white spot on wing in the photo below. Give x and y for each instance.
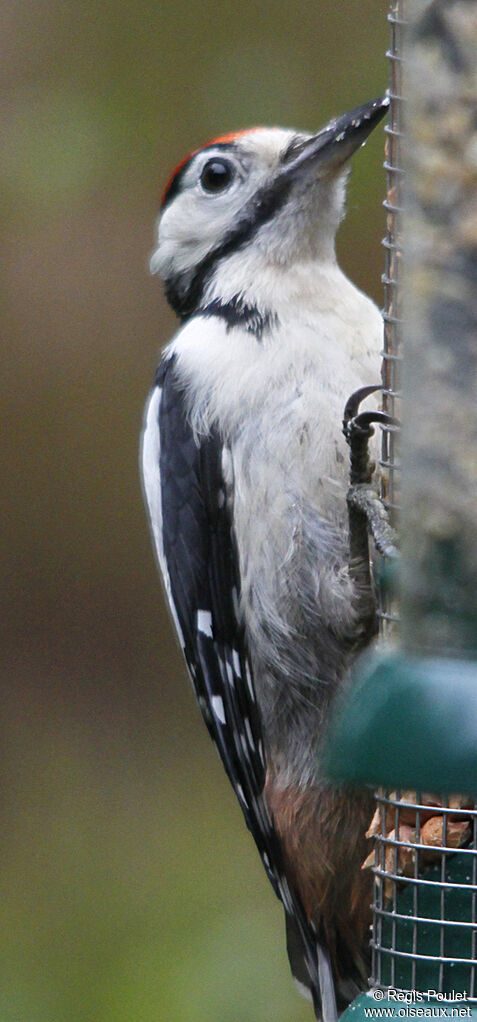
(249, 681)
(204, 622)
(285, 894)
(227, 669)
(239, 790)
(248, 731)
(218, 708)
(245, 745)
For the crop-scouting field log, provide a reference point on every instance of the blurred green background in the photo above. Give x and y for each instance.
(130, 890)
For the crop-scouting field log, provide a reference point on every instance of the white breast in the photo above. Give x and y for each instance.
(325, 345)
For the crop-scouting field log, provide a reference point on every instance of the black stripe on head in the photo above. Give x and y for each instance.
(185, 290)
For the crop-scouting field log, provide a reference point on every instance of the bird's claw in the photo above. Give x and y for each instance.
(359, 426)
(353, 402)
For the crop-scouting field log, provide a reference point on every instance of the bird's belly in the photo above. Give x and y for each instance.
(290, 522)
(290, 482)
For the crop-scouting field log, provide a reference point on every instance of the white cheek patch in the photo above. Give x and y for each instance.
(190, 228)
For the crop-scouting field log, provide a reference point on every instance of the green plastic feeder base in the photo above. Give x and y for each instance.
(408, 722)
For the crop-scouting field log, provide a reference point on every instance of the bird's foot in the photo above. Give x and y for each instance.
(366, 510)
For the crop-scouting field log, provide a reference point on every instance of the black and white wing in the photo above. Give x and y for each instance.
(190, 521)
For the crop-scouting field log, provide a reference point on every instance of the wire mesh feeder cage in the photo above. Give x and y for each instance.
(425, 895)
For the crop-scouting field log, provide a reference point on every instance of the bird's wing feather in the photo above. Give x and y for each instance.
(190, 521)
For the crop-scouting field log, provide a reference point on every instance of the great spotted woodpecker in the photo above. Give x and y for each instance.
(245, 478)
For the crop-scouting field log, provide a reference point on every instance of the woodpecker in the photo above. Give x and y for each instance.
(245, 478)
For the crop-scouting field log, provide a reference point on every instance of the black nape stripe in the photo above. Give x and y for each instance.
(236, 312)
(184, 291)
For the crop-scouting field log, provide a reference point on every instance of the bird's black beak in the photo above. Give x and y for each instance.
(332, 146)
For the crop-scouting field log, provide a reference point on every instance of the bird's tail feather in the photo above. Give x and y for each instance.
(327, 987)
(324, 1000)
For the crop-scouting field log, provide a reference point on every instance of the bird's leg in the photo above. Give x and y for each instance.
(366, 511)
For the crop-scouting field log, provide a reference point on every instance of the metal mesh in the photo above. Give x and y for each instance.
(392, 243)
(391, 364)
(425, 895)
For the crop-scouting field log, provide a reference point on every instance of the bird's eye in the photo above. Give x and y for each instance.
(216, 175)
